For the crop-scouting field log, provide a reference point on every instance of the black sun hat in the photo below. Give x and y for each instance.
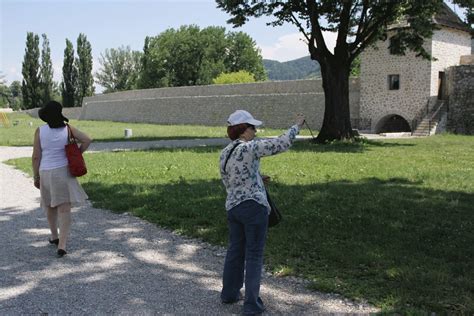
(52, 114)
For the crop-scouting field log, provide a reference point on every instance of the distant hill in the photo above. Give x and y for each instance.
(301, 68)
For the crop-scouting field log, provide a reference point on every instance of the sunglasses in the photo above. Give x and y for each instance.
(251, 126)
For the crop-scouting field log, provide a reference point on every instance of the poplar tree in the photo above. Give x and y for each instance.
(46, 72)
(85, 80)
(68, 86)
(31, 87)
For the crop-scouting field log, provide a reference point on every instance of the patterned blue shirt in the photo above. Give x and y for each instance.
(242, 178)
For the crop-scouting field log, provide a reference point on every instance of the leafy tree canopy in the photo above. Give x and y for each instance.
(119, 70)
(191, 56)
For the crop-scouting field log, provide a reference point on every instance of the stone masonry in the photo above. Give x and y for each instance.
(275, 103)
(461, 100)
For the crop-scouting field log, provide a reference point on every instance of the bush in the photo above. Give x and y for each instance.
(241, 76)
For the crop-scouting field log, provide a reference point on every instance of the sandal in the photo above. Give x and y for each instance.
(54, 241)
(61, 253)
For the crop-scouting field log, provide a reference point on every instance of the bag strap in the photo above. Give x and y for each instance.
(228, 156)
(70, 136)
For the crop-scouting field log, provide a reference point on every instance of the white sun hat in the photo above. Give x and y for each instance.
(241, 117)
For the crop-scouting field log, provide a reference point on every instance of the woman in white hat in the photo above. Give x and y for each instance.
(59, 190)
(247, 206)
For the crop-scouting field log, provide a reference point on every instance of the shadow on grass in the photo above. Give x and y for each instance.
(393, 242)
(358, 146)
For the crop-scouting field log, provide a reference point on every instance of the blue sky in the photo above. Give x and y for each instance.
(112, 23)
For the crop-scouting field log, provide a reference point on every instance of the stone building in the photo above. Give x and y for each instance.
(407, 93)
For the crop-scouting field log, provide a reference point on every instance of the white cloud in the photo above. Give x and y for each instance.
(13, 74)
(292, 46)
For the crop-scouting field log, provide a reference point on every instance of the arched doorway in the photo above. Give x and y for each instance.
(392, 124)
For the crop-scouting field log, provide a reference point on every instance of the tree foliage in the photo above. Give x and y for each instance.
(241, 76)
(85, 80)
(358, 23)
(242, 54)
(5, 93)
(46, 72)
(191, 56)
(31, 86)
(68, 86)
(120, 69)
(16, 99)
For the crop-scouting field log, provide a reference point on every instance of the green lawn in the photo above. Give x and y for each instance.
(22, 133)
(388, 222)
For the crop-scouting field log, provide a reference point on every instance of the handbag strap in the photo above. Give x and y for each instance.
(70, 136)
(228, 156)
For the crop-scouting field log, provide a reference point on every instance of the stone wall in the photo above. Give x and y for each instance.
(461, 99)
(275, 103)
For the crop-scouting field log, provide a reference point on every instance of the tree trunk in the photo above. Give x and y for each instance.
(337, 119)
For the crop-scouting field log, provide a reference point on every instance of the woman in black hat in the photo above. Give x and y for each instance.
(59, 190)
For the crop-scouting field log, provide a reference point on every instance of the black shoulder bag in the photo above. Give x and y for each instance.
(275, 216)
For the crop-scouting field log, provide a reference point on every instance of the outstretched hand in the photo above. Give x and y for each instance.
(266, 179)
(300, 118)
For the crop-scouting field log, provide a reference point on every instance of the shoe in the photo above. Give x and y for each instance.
(54, 241)
(61, 253)
(239, 298)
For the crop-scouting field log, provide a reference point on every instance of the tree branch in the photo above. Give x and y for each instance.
(344, 24)
(312, 51)
(367, 36)
(363, 14)
(316, 33)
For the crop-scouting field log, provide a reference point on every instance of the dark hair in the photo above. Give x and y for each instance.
(235, 131)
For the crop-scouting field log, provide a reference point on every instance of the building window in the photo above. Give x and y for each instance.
(393, 82)
(393, 47)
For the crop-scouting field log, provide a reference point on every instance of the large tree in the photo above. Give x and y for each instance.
(193, 56)
(243, 55)
(68, 86)
(85, 80)
(119, 70)
(31, 86)
(358, 23)
(46, 72)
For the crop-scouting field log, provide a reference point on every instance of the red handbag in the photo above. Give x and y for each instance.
(77, 165)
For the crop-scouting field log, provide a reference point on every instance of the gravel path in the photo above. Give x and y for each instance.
(119, 264)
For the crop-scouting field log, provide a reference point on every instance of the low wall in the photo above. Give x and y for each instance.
(275, 103)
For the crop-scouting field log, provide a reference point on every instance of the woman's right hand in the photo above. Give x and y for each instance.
(300, 120)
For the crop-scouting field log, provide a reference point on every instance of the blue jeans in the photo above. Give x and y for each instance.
(248, 223)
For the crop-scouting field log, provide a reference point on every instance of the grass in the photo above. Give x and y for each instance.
(391, 222)
(22, 133)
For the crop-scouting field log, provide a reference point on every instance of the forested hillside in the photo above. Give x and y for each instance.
(301, 68)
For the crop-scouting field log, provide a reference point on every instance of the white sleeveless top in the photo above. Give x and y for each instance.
(53, 154)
